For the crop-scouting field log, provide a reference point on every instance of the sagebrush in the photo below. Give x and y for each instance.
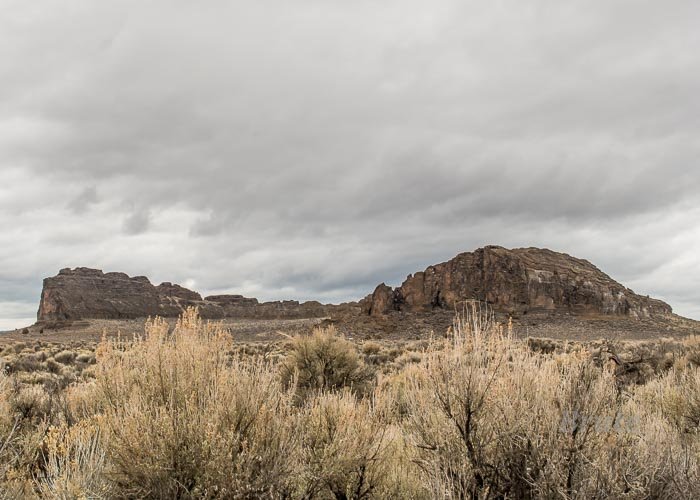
(183, 413)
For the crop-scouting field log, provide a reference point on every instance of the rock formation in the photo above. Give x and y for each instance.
(84, 293)
(90, 293)
(515, 282)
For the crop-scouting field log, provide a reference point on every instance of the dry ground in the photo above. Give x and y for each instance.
(92, 331)
(394, 328)
(62, 352)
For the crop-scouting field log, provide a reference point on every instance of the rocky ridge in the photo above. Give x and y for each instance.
(514, 282)
(84, 293)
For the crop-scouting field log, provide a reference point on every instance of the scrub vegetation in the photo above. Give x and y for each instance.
(185, 412)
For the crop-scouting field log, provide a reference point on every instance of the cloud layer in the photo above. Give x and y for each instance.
(312, 149)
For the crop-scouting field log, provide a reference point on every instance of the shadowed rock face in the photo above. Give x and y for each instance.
(514, 281)
(90, 293)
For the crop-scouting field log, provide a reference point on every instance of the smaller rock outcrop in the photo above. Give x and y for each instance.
(178, 292)
(232, 300)
(84, 293)
(383, 300)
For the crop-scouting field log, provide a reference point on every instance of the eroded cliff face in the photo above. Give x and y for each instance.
(515, 282)
(84, 293)
(90, 293)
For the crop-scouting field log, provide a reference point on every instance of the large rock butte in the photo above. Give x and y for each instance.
(512, 281)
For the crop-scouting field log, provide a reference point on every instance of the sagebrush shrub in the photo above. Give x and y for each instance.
(490, 417)
(343, 448)
(183, 420)
(75, 462)
(66, 357)
(324, 361)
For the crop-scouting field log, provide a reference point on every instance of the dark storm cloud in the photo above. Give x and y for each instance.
(313, 149)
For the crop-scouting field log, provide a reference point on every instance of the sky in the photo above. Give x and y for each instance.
(311, 149)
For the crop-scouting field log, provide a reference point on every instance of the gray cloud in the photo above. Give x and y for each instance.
(312, 149)
(137, 222)
(82, 202)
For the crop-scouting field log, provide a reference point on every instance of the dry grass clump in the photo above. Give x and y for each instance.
(7, 422)
(183, 413)
(692, 350)
(74, 462)
(25, 415)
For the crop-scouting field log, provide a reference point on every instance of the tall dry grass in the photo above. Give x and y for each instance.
(173, 414)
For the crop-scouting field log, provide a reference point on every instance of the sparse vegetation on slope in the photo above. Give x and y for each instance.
(182, 413)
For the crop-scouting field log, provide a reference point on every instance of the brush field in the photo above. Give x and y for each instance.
(194, 409)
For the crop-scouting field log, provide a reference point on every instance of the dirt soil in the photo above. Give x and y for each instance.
(92, 331)
(392, 327)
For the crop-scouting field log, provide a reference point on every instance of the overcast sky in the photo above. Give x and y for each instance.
(311, 149)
